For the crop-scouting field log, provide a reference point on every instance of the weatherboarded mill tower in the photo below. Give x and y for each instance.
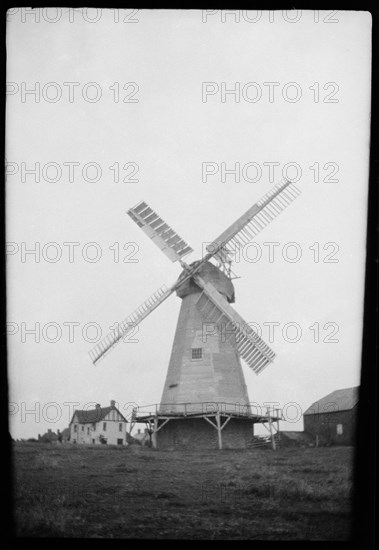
(204, 373)
(205, 403)
(204, 365)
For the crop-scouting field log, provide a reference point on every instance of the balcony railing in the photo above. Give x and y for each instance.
(207, 408)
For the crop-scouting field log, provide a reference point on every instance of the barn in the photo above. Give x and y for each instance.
(332, 419)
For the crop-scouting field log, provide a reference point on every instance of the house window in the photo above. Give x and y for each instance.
(197, 353)
(339, 429)
(104, 426)
(82, 428)
(120, 427)
(75, 427)
(87, 431)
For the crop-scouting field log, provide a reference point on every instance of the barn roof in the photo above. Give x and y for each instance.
(338, 400)
(91, 416)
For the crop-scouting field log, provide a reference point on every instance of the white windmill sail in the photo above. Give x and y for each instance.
(248, 343)
(212, 304)
(253, 221)
(103, 347)
(171, 244)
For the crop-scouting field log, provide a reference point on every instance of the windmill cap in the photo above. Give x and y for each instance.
(211, 274)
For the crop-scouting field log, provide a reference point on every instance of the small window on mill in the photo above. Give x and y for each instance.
(197, 353)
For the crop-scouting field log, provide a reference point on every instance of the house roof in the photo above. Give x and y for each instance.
(338, 400)
(92, 416)
(141, 436)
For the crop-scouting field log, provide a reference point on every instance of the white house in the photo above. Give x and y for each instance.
(102, 425)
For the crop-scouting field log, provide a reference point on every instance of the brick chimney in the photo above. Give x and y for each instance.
(113, 403)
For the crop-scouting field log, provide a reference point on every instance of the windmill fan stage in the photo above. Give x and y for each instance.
(205, 379)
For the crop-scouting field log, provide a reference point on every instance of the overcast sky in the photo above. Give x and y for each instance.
(178, 135)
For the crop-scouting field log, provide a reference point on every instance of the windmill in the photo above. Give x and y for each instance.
(204, 377)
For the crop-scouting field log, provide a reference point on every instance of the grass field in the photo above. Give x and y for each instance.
(136, 492)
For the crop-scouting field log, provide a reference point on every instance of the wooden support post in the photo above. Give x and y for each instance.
(219, 430)
(271, 431)
(131, 426)
(132, 420)
(154, 434)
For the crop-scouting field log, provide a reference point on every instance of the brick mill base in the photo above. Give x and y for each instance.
(197, 433)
